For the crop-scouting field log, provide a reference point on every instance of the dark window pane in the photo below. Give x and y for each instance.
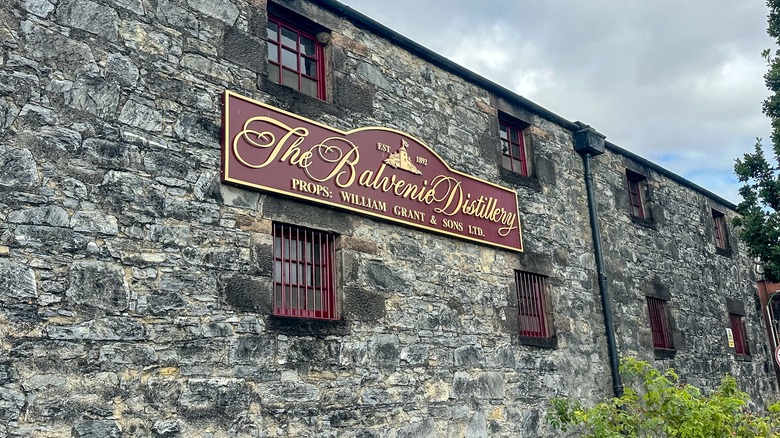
(507, 162)
(273, 73)
(308, 46)
(273, 52)
(309, 67)
(310, 300)
(515, 151)
(317, 276)
(289, 59)
(272, 31)
(309, 87)
(318, 300)
(289, 38)
(294, 298)
(290, 78)
(503, 132)
(308, 249)
(513, 136)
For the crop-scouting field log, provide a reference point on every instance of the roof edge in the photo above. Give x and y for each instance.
(671, 175)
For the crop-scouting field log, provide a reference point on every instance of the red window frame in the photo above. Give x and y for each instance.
(533, 305)
(719, 228)
(739, 332)
(513, 155)
(295, 58)
(635, 195)
(303, 275)
(659, 323)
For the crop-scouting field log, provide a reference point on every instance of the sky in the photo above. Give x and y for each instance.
(672, 81)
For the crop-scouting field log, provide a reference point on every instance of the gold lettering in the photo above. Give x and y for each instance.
(453, 193)
(266, 140)
(510, 221)
(296, 156)
(365, 178)
(363, 201)
(343, 169)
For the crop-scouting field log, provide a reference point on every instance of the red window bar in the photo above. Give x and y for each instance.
(303, 273)
(532, 305)
(513, 149)
(635, 197)
(295, 58)
(738, 331)
(719, 224)
(662, 336)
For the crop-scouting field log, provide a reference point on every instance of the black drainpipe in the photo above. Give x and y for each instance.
(589, 143)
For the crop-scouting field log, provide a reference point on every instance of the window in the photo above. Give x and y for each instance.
(635, 183)
(513, 148)
(295, 58)
(533, 305)
(303, 273)
(659, 323)
(719, 227)
(740, 334)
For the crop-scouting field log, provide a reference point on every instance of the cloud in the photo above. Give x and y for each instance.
(680, 83)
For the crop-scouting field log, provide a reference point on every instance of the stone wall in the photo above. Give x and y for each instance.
(673, 255)
(135, 287)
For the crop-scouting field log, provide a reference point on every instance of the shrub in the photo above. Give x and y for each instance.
(657, 404)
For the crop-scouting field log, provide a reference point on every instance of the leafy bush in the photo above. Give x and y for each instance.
(661, 406)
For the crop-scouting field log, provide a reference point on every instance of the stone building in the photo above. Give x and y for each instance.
(146, 290)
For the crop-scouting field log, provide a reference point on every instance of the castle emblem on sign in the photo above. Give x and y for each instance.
(400, 159)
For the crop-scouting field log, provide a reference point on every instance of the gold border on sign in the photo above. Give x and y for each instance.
(226, 172)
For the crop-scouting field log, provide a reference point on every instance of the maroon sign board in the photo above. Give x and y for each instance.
(378, 172)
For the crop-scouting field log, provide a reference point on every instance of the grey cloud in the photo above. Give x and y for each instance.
(655, 77)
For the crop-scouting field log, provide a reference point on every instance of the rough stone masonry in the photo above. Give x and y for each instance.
(135, 288)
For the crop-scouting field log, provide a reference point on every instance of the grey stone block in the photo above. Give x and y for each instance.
(102, 329)
(220, 9)
(142, 115)
(243, 49)
(96, 429)
(215, 398)
(94, 222)
(249, 293)
(52, 215)
(20, 172)
(17, 281)
(98, 285)
(122, 69)
(93, 95)
(89, 16)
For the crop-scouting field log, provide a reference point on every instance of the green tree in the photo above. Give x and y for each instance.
(657, 404)
(760, 206)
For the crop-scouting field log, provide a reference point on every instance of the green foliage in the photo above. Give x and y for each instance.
(760, 208)
(657, 404)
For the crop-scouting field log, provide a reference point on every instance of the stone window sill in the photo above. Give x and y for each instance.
(725, 252)
(644, 222)
(539, 342)
(743, 357)
(515, 178)
(664, 353)
(292, 326)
